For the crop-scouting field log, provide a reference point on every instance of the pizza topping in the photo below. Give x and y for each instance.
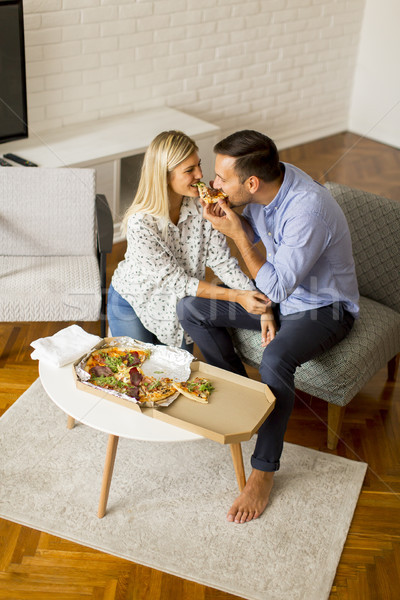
(113, 362)
(99, 370)
(133, 392)
(135, 376)
(154, 385)
(199, 389)
(199, 385)
(132, 358)
(108, 382)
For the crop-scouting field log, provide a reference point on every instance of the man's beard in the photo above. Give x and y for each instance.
(240, 199)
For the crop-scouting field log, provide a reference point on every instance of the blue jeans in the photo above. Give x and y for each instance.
(301, 337)
(123, 320)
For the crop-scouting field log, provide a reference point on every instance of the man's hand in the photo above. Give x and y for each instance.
(255, 302)
(214, 209)
(223, 218)
(268, 328)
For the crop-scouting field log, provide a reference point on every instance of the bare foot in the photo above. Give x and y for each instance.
(253, 499)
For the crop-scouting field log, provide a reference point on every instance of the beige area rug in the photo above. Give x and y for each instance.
(168, 503)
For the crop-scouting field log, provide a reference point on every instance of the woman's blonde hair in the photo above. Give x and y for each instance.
(164, 153)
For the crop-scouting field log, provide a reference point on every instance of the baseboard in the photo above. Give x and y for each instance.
(295, 138)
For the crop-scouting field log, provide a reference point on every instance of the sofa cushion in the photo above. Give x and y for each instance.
(32, 288)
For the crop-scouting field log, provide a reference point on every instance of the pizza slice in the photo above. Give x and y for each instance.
(209, 195)
(199, 389)
(155, 390)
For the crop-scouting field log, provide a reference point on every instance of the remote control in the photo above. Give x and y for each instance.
(4, 163)
(19, 160)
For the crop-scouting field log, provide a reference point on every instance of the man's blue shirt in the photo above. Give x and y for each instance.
(309, 260)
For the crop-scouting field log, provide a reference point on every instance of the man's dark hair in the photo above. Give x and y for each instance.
(255, 153)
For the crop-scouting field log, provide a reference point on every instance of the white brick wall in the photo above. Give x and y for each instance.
(284, 67)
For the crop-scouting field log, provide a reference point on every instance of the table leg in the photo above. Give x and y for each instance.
(237, 457)
(70, 422)
(107, 474)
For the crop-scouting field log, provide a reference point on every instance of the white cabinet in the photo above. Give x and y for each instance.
(114, 147)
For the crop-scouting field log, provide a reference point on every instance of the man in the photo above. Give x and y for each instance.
(308, 274)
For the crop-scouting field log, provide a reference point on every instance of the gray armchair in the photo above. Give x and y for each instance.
(55, 233)
(374, 341)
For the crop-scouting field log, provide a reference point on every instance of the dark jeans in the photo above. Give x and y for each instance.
(301, 337)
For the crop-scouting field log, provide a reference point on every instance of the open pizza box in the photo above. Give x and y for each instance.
(236, 408)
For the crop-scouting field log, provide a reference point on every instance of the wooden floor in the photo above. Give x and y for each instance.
(38, 566)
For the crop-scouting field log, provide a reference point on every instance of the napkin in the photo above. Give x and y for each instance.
(65, 346)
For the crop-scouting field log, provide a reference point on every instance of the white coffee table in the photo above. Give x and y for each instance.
(115, 420)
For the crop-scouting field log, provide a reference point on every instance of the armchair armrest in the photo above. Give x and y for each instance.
(105, 233)
(105, 226)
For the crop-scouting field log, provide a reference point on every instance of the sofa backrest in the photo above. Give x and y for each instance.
(374, 223)
(47, 212)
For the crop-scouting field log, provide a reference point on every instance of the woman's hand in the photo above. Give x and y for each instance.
(268, 327)
(255, 302)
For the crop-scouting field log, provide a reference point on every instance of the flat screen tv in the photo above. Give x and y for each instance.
(13, 106)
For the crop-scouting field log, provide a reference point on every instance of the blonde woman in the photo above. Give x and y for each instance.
(169, 246)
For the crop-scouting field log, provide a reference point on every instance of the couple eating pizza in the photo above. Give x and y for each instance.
(302, 295)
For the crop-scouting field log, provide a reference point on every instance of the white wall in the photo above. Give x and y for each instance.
(375, 106)
(284, 67)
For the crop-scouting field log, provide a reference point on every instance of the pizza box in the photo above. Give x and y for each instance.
(236, 408)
